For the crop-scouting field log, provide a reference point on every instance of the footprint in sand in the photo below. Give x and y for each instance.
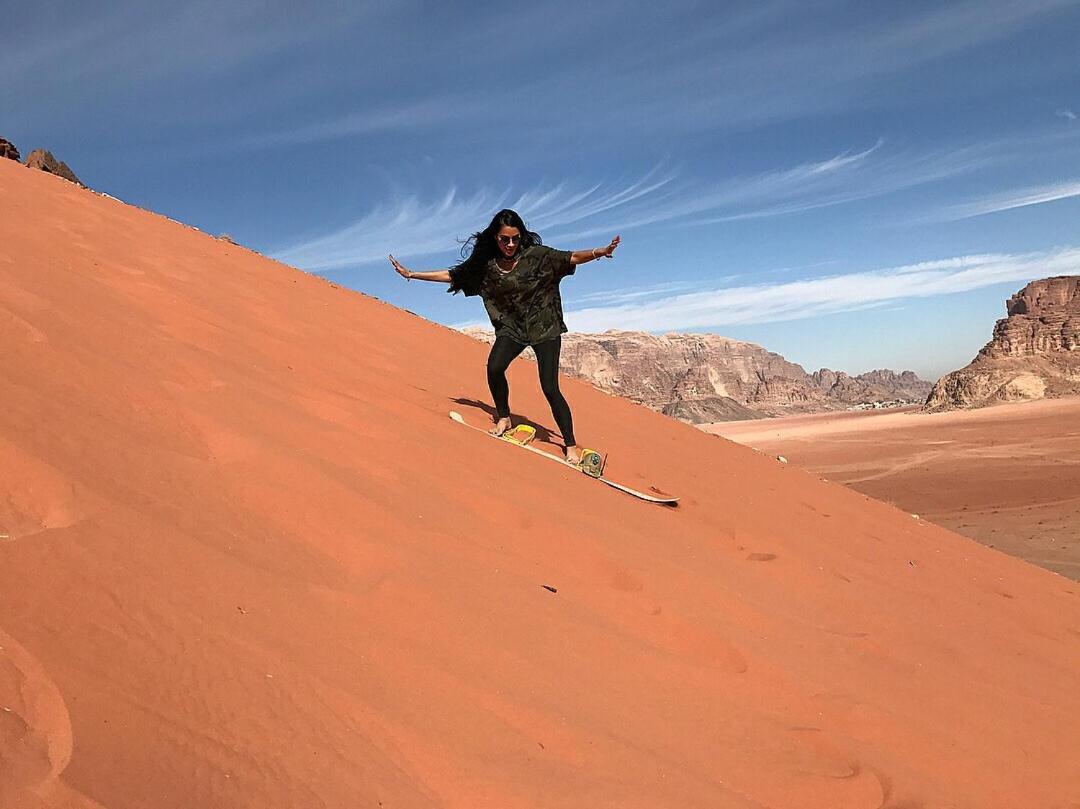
(38, 498)
(675, 635)
(18, 329)
(821, 763)
(35, 731)
(703, 644)
(622, 579)
(761, 557)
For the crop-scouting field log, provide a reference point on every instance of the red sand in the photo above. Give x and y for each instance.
(1008, 476)
(250, 562)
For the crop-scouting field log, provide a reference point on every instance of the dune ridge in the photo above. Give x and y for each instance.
(253, 563)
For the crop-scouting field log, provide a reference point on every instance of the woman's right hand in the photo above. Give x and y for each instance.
(404, 273)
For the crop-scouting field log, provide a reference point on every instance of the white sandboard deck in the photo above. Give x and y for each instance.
(662, 500)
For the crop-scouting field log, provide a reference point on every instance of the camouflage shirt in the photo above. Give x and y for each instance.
(523, 304)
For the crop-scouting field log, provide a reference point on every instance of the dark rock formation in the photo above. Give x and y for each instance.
(8, 150)
(44, 160)
(1034, 352)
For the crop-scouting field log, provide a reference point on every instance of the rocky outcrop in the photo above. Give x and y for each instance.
(695, 377)
(701, 378)
(880, 385)
(44, 160)
(8, 150)
(1034, 352)
(1043, 320)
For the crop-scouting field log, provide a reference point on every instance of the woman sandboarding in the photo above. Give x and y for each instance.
(518, 279)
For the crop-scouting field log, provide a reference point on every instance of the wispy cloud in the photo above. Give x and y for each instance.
(1013, 199)
(413, 114)
(795, 300)
(77, 54)
(1065, 113)
(407, 224)
(844, 178)
(620, 296)
(417, 227)
(794, 69)
(771, 62)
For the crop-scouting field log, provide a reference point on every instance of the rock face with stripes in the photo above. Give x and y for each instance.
(702, 378)
(1034, 352)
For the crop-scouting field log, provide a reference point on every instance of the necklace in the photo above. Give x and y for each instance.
(500, 268)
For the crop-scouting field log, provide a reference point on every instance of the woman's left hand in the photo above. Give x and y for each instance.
(607, 251)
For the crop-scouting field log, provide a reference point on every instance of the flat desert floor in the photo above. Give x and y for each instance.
(1007, 476)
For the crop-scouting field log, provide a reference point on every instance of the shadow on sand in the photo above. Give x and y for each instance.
(543, 434)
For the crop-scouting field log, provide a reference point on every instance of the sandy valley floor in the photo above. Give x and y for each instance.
(1008, 476)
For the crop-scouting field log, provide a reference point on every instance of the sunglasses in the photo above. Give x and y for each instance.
(508, 239)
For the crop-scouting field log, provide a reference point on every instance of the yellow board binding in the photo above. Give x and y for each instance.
(592, 463)
(520, 435)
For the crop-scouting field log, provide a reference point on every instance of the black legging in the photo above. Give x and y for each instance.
(547, 359)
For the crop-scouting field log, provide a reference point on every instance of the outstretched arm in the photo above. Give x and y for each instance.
(442, 276)
(581, 256)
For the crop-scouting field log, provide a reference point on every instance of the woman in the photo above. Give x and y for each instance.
(518, 279)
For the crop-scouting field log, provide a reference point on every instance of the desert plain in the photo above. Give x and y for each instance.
(1007, 476)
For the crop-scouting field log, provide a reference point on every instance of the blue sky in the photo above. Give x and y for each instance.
(851, 184)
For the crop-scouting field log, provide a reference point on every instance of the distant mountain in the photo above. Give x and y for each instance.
(1034, 352)
(701, 378)
(881, 386)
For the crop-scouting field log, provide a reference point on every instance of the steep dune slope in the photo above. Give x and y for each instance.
(249, 562)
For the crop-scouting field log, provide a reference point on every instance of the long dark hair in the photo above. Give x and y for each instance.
(480, 248)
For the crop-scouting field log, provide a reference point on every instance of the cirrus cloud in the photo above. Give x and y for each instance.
(794, 300)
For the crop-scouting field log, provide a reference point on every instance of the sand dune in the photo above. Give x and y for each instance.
(1008, 476)
(250, 562)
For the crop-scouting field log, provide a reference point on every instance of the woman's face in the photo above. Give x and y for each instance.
(509, 239)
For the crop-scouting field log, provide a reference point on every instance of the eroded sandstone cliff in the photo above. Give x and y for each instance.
(701, 378)
(1034, 352)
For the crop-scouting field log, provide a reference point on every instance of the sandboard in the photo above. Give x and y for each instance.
(665, 500)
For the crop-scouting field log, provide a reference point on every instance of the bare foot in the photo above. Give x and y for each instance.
(501, 426)
(573, 455)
